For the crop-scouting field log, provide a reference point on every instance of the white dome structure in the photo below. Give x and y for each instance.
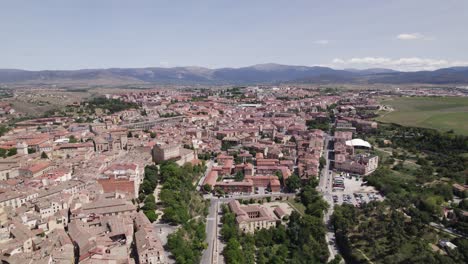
(357, 142)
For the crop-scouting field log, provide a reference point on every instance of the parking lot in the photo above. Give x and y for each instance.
(355, 192)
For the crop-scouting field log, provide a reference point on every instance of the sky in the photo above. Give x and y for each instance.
(405, 35)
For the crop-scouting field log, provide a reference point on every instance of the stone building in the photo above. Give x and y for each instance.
(251, 218)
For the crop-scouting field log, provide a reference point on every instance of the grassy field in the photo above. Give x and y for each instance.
(441, 113)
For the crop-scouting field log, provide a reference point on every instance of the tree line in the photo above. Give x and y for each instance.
(183, 205)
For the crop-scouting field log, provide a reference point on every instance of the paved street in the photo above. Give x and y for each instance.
(325, 186)
(209, 164)
(209, 256)
(444, 229)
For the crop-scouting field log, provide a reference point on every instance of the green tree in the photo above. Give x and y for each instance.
(12, 152)
(322, 162)
(150, 198)
(141, 196)
(233, 253)
(207, 188)
(3, 152)
(149, 205)
(44, 155)
(293, 183)
(239, 176)
(151, 214)
(72, 139)
(3, 130)
(146, 187)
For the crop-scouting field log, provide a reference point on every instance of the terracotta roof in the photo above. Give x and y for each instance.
(37, 167)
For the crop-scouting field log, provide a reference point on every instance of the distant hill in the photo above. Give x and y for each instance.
(371, 71)
(455, 75)
(256, 74)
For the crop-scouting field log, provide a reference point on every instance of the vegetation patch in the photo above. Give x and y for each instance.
(441, 113)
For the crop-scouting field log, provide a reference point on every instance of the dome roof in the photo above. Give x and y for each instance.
(357, 142)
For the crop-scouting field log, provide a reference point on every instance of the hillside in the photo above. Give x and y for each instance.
(257, 74)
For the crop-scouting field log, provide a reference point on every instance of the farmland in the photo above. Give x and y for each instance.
(441, 113)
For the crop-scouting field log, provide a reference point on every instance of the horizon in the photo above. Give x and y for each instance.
(246, 66)
(218, 34)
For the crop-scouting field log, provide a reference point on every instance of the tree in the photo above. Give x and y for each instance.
(207, 188)
(150, 198)
(463, 204)
(322, 162)
(187, 243)
(279, 174)
(233, 253)
(444, 190)
(153, 134)
(3, 130)
(151, 174)
(12, 152)
(44, 155)
(151, 214)
(293, 183)
(141, 196)
(72, 139)
(422, 161)
(146, 187)
(239, 176)
(3, 153)
(149, 205)
(229, 228)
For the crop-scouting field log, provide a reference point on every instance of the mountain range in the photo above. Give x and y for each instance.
(256, 74)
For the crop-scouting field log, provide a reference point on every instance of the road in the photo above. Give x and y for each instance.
(444, 229)
(209, 164)
(325, 187)
(210, 255)
(325, 181)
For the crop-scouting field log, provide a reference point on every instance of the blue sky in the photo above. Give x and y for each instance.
(399, 34)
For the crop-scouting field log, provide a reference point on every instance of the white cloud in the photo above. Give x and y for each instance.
(164, 64)
(338, 61)
(410, 36)
(413, 36)
(322, 42)
(404, 64)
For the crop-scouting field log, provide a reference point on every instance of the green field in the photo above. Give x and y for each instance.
(441, 113)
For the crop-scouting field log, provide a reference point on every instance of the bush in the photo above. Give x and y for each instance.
(207, 188)
(152, 216)
(44, 155)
